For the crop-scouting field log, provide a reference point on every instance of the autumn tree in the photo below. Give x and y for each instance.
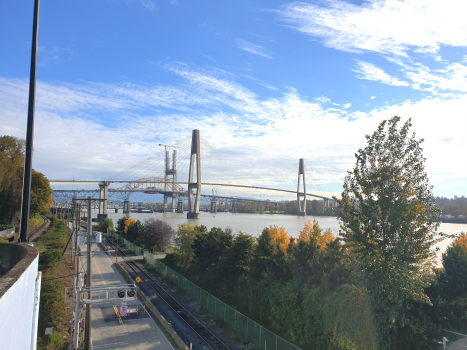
(11, 182)
(388, 220)
(156, 234)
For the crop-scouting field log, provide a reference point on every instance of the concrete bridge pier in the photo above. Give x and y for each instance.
(194, 199)
(126, 207)
(213, 206)
(301, 196)
(180, 206)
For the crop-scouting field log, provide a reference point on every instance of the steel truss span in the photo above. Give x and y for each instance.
(198, 328)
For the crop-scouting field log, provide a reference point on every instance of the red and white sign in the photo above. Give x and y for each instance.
(123, 310)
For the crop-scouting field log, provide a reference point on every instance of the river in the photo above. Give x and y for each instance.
(254, 223)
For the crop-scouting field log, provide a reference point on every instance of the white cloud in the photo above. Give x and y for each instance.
(390, 27)
(253, 48)
(369, 71)
(93, 130)
(452, 77)
(347, 105)
(372, 97)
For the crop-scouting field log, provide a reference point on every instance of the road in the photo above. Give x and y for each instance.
(137, 332)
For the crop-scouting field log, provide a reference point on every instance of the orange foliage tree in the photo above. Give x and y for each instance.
(128, 223)
(279, 236)
(312, 231)
(462, 240)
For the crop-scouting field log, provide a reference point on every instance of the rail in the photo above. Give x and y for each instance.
(39, 230)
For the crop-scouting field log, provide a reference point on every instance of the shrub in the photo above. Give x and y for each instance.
(50, 256)
(55, 341)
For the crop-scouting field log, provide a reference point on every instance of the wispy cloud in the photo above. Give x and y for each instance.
(149, 4)
(54, 55)
(253, 48)
(369, 71)
(384, 26)
(347, 105)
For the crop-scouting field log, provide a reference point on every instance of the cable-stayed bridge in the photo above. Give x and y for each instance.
(182, 170)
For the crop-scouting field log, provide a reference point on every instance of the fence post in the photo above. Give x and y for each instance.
(259, 342)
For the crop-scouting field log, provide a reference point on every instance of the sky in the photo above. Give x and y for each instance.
(265, 82)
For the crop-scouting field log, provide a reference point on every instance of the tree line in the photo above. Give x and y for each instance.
(313, 207)
(12, 152)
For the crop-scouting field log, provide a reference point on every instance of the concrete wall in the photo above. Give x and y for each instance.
(17, 293)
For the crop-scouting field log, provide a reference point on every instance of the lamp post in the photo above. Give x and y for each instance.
(24, 226)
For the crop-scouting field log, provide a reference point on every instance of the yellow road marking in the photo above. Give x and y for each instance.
(98, 270)
(118, 315)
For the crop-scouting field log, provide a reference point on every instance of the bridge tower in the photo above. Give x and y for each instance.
(193, 203)
(301, 196)
(103, 196)
(170, 172)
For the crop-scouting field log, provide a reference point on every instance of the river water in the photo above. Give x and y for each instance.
(255, 223)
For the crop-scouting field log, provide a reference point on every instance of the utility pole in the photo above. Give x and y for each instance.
(87, 345)
(24, 226)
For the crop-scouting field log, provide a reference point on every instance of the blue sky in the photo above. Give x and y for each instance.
(266, 82)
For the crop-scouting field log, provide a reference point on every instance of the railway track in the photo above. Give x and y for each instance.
(39, 230)
(212, 341)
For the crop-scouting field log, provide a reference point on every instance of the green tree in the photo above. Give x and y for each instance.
(388, 220)
(121, 224)
(105, 224)
(11, 178)
(237, 260)
(134, 231)
(209, 248)
(41, 194)
(184, 238)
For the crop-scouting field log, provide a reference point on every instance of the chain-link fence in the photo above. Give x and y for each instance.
(246, 329)
(126, 243)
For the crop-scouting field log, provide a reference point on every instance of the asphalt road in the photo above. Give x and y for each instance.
(137, 331)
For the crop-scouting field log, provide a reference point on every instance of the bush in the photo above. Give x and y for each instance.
(55, 341)
(50, 256)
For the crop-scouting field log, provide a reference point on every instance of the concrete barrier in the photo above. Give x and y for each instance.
(181, 344)
(7, 232)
